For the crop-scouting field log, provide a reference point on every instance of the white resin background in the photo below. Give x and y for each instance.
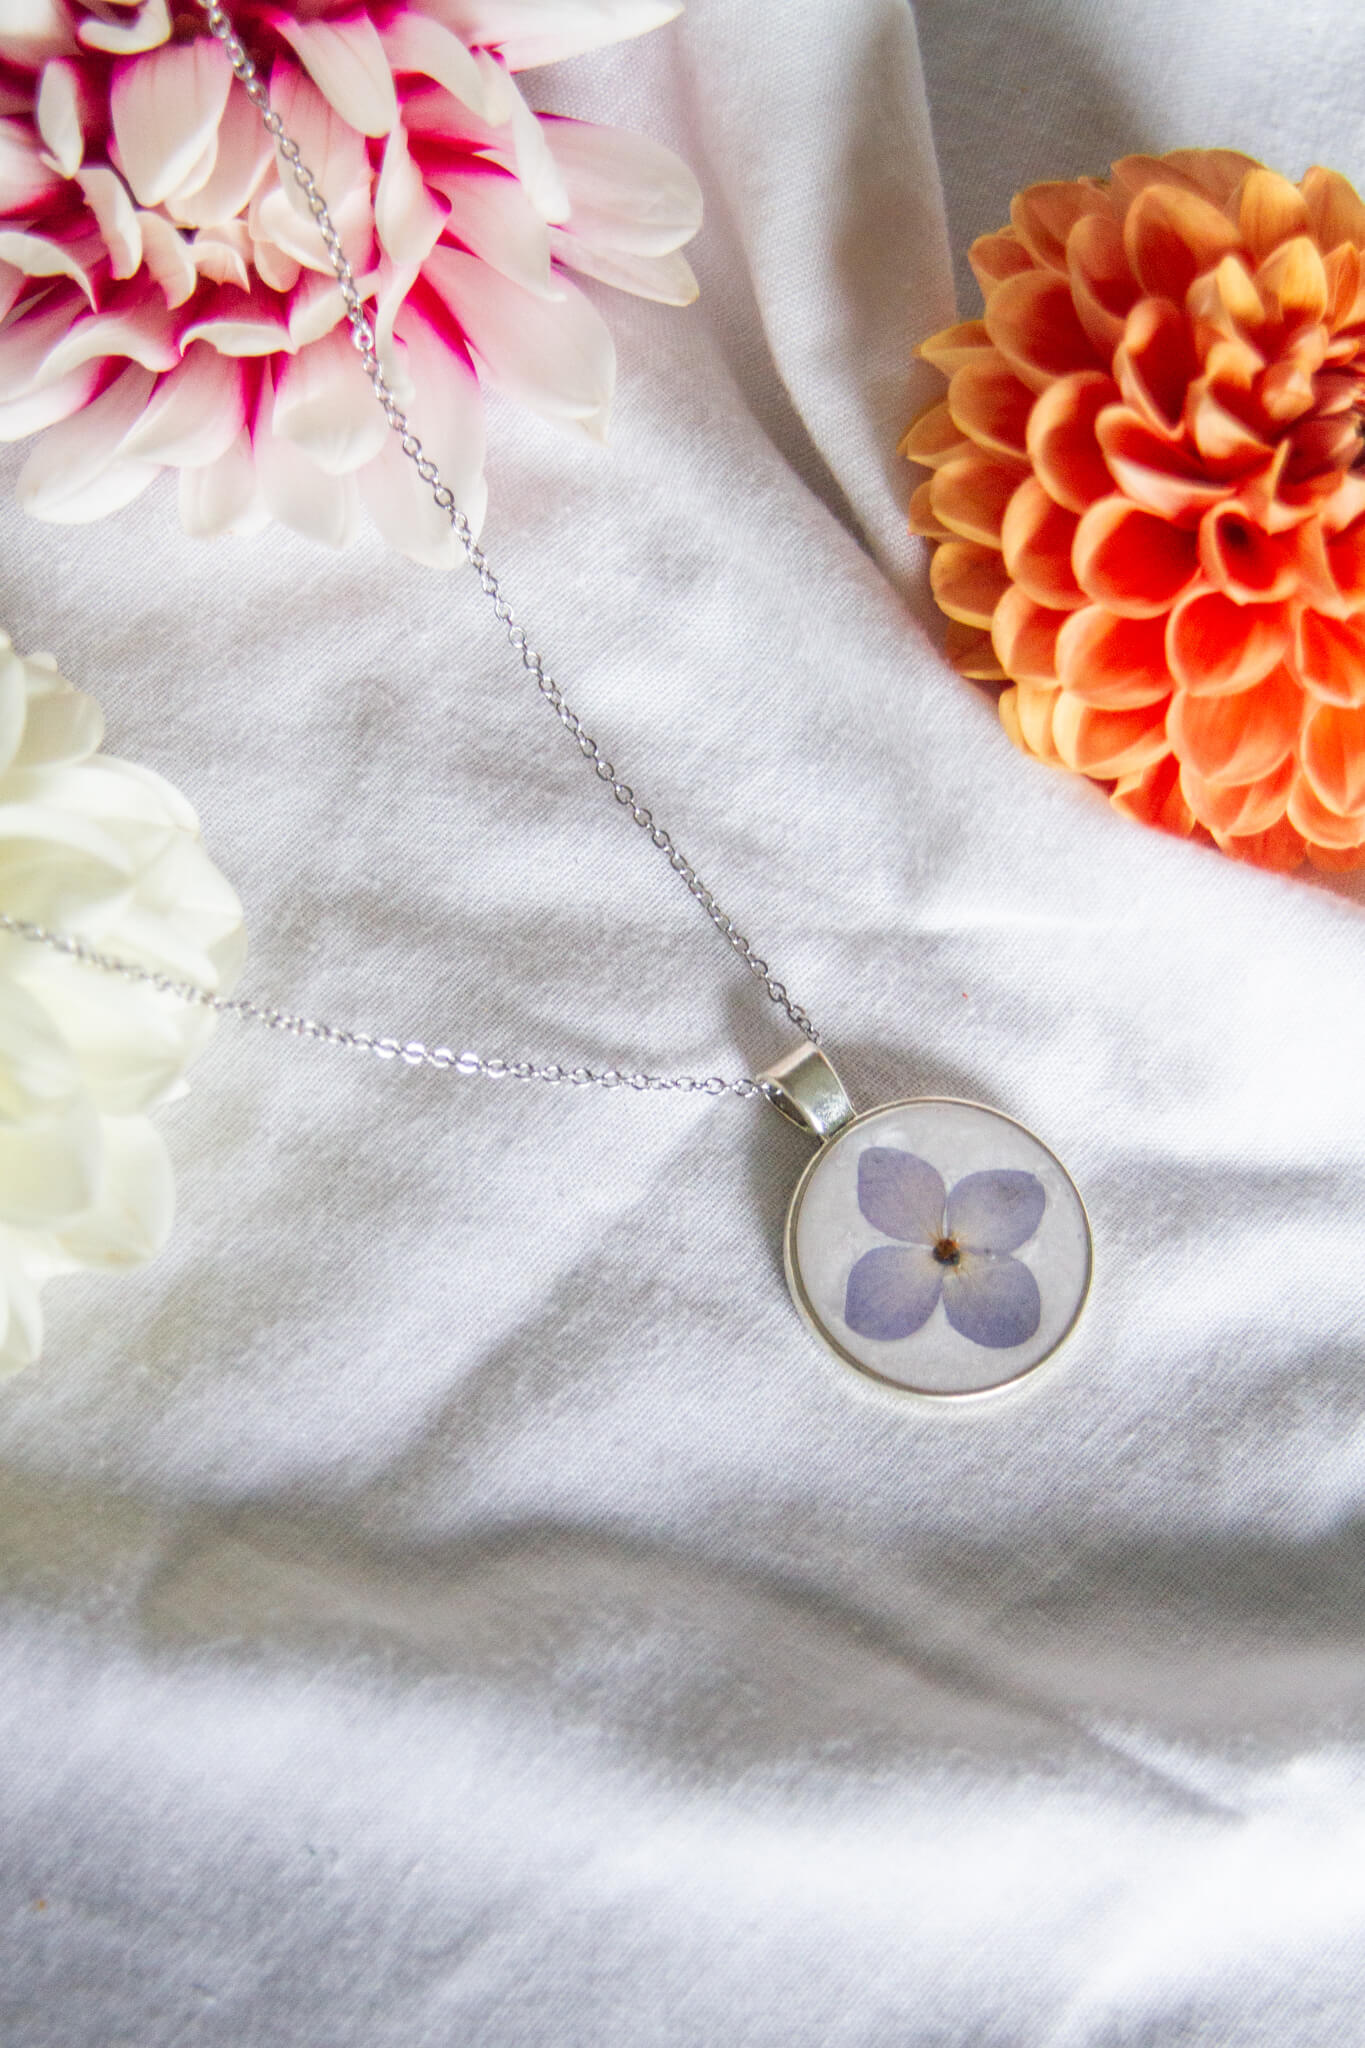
(449, 1598)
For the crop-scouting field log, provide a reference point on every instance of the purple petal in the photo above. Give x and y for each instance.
(993, 1301)
(892, 1291)
(996, 1211)
(901, 1194)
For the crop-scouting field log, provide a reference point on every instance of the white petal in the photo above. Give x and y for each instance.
(407, 218)
(555, 355)
(530, 32)
(166, 109)
(22, 1318)
(299, 494)
(150, 26)
(280, 272)
(329, 147)
(224, 496)
(243, 157)
(414, 42)
(35, 29)
(536, 168)
(224, 255)
(73, 474)
(491, 214)
(194, 414)
(315, 306)
(324, 405)
(447, 414)
(107, 197)
(36, 256)
(49, 1167)
(346, 61)
(20, 417)
(625, 191)
(130, 1217)
(63, 725)
(13, 708)
(143, 333)
(60, 112)
(26, 342)
(166, 258)
(24, 177)
(667, 279)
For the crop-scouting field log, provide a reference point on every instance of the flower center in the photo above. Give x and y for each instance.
(947, 1252)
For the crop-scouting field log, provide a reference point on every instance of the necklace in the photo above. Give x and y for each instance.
(934, 1244)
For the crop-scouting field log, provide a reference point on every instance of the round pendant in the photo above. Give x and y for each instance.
(938, 1246)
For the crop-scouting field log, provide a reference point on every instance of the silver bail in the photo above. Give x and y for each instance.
(805, 1089)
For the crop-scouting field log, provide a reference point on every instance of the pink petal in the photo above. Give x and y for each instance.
(416, 43)
(25, 343)
(150, 26)
(490, 214)
(324, 405)
(223, 255)
(241, 324)
(61, 114)
(193, 415)
(166, 106)
(447, 414)
(35, 30)
(407, 219)
(315, 307)
(73, 474)
(532, 160)
(555, 355)
(280, 272)
(346, 61)
(529, 32)
(241, 161)
(25, 179)
(36, 256)
(107, 197)
(166, 258)
(133, 327)
(625, 192)
(224, 496)
(667, 279)
(20, 417)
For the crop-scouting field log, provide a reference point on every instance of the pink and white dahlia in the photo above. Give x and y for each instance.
(165, 298)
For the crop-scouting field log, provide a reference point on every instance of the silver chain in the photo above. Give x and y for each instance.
(414, 1053)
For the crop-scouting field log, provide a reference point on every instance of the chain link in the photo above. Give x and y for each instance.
(363, 336)
(412, 1052)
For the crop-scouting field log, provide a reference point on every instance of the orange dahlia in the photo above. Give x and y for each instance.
(1148, 495)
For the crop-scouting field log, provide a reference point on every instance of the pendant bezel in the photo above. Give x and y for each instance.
(939, 1397)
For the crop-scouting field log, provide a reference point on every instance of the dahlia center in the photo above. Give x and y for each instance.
(948, 1252)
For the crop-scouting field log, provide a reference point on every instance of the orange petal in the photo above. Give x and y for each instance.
(1225, 304)
(1154, 471)
(1104, 743)
(1116, 662)
(953, 346)
(1061, 439)
(1130, 176)
(1330, 657)
(1156, 362)
(1338, 860)
(1321, 826)
(922, 519)
(1346, 561)
(968, 581)
(1269, 211)
(970, 495)
(998, 256)
(1343, 267)
(1025, 636)
(1239, 808)
(1336, 213)
(933, 438)
(991, 406)
(1130, 561)
(1026, 714)
(1281, 849)
(1217, 172)
(1154, 797)
(1333, 756)
(1044, 215)
(1239, 738)
(1215, 646)
(1033, 323)
(1036, 537)
(1294, 281)
(1173, 237)
(1103, 287)
(1226, 443)
(1241, 558)
(969, 650)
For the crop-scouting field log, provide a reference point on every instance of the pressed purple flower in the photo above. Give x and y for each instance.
(954, 1246)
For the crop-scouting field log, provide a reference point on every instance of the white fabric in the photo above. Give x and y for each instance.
(448, 1598)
